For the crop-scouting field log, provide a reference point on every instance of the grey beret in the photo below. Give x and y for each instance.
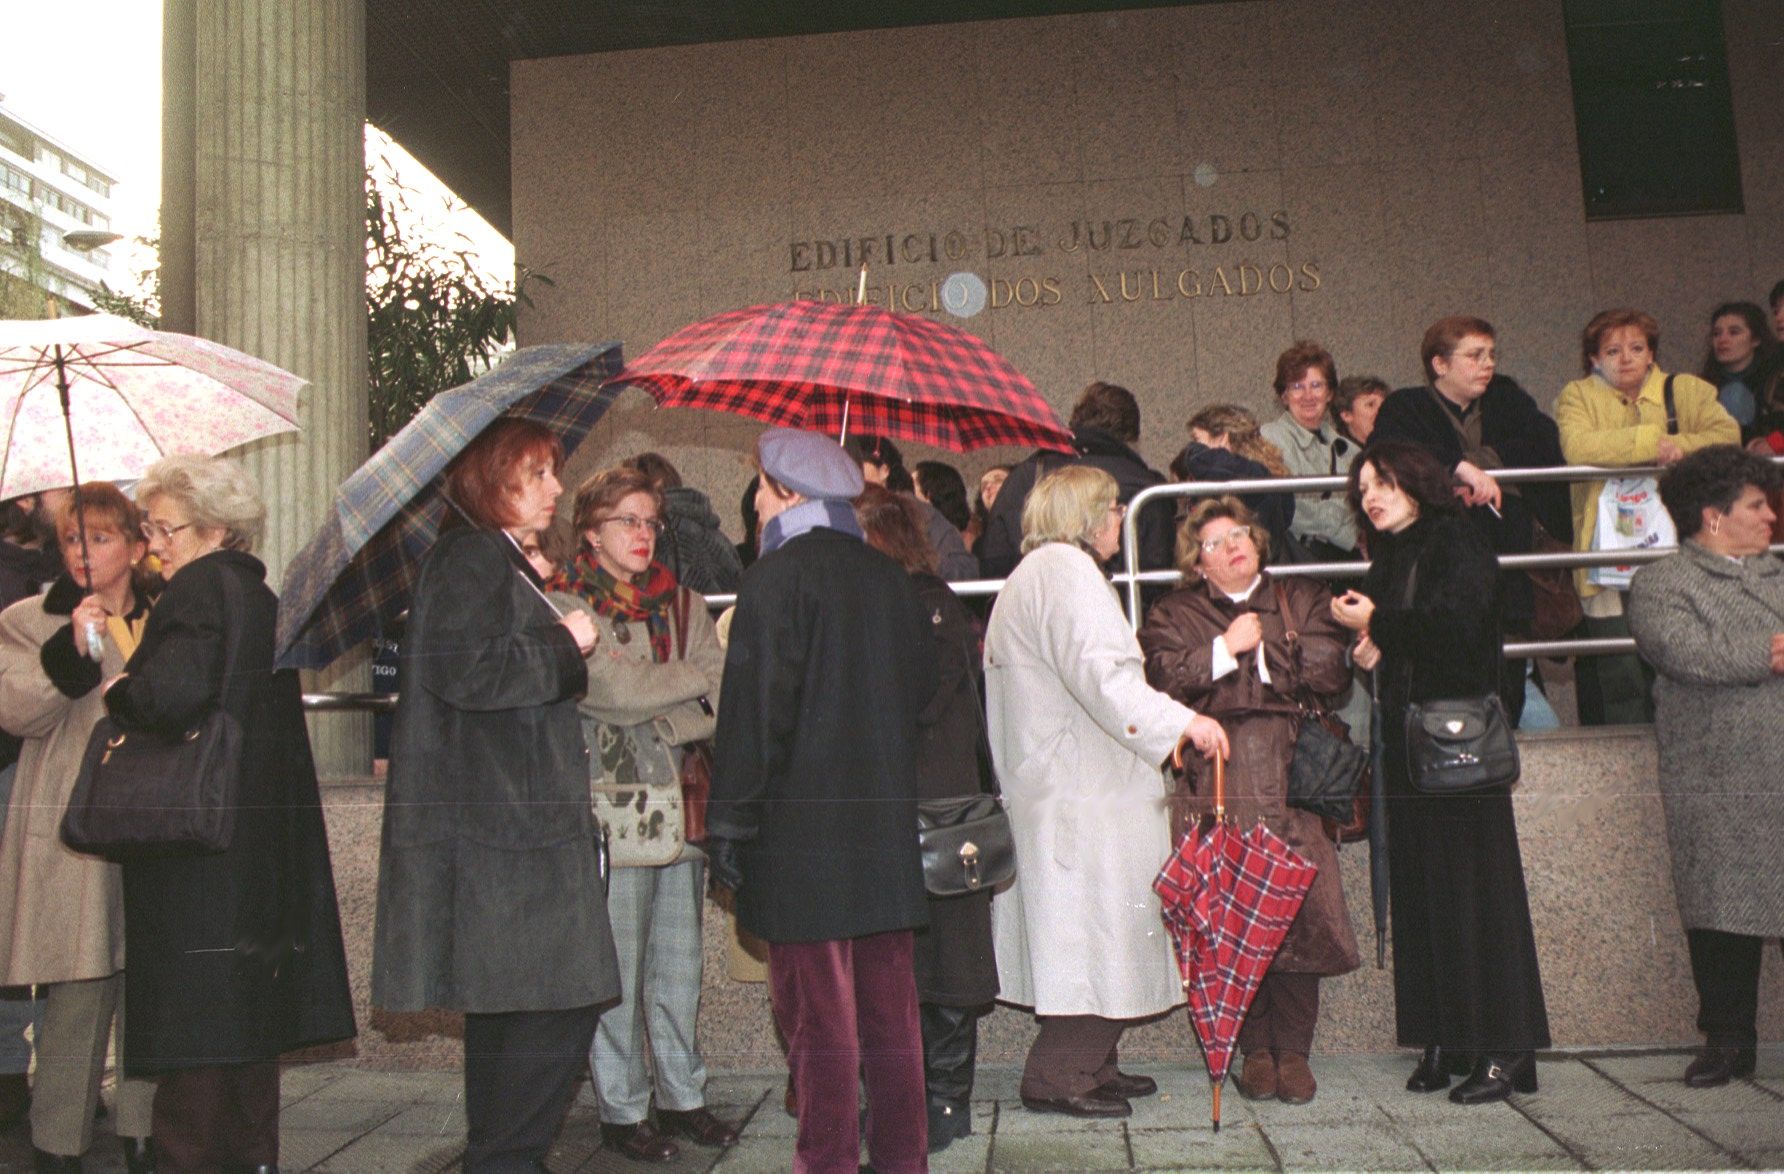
(809, 463)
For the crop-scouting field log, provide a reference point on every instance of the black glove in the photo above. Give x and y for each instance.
(722, 863)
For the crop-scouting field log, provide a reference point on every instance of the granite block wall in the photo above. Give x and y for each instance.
(1164, 198)
(1595, 859)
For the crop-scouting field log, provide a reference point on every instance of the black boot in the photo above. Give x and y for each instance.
(950, 1048)
(1716, 1065)
(1432, 1073)
(1496, 1078)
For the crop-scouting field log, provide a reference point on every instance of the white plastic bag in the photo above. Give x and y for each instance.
(1630, 517)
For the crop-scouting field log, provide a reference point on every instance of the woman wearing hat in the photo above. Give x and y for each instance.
(813, 821)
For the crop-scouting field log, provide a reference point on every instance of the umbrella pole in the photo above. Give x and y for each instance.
(80, 517)
(1378, 825)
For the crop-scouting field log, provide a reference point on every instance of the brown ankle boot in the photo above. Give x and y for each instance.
(1257, 1080)
(1294, 1079)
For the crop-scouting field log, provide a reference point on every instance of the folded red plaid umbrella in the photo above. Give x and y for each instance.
(831, 368)
(1228, 898)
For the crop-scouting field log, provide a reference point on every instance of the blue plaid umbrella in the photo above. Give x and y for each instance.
(355, 575)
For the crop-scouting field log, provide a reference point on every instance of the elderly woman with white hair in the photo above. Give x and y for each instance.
(234, 956)
(1079, 740)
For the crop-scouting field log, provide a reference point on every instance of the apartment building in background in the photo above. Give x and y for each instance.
(55, 215)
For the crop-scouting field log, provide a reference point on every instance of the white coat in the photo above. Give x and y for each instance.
(1078, 738)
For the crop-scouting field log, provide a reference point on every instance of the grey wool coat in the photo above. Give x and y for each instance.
(1705, 623)
(488, 895)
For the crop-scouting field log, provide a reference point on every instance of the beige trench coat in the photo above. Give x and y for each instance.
(1078, 738)
(61, 912)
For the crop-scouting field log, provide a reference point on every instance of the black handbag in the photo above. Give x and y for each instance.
(967, 846)
(966, 840)
(1327, 771)
(141, 795)
(1461, 745)
(1457, 745)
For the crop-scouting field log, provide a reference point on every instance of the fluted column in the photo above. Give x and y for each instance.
(264, 247)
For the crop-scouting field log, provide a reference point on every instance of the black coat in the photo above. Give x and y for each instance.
(489, 898)
(694, 549)
(1465, 970)
(1275, 511)
(815, 755)
(1513, 426)
(1000, 547)
(954, 960)
(237, 956)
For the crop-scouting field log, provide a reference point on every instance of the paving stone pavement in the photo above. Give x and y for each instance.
(1597, 1110)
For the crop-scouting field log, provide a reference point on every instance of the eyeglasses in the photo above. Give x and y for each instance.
(152, 530)
(1311, 387)
(632, 523)
(1213, 545)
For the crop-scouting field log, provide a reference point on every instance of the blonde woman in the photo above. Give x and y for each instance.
(62, 912)
(1079, 739)
(235, 957)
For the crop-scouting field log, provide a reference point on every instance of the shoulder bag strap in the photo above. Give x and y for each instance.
(1303, 696)
(235, 617)
(1672, 407)
(679, 610)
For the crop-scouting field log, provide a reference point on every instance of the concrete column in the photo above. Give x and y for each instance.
(264, 247)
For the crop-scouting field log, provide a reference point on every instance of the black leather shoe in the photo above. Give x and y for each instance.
(1496, 1078)
(1095, 1103)
(699, 1126)
(948, 1123)
(1125, 1085)
(640, 1142)
(139, 1155)
(45, 1163)
(1432, 1073)
(1715, 1066)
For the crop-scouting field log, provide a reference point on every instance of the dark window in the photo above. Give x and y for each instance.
(1650, 97)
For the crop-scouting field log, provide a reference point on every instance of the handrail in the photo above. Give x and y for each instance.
(1130, 525)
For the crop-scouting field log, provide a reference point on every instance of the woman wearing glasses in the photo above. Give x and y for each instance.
(1312, 447)
(653, 685)
(61, 912)
(234, 957)
(489, 891)
(1245, 649)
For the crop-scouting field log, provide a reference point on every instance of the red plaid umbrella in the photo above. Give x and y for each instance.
(1228, 899)
(830, 367)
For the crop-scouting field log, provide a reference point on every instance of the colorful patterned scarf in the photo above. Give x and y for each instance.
(624, 603)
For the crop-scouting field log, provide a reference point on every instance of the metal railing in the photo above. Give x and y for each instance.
(1130, 578)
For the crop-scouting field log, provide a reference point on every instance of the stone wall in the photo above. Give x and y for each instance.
(1595, 858)
(1394, 161)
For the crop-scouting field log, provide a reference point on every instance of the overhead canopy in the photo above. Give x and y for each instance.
(437, 70)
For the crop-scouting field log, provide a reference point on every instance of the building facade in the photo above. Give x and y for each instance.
(55, 212)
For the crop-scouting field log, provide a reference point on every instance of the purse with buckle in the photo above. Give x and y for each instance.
(141, 795)
(1462, 744)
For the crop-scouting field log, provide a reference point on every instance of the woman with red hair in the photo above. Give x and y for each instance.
(490, 899)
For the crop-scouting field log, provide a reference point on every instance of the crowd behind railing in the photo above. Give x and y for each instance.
(858, 695)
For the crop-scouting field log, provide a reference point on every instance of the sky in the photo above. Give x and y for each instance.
(92, 78)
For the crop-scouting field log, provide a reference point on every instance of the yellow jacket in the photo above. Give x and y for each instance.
(1600, 427)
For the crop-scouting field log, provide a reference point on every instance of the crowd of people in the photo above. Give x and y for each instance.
(546, 858)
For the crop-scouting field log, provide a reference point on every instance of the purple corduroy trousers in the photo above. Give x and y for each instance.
(846, 1007)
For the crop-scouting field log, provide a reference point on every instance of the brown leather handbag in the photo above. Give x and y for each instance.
(696, 757)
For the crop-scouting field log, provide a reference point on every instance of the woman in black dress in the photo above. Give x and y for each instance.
(956, 970)
(1466, 985)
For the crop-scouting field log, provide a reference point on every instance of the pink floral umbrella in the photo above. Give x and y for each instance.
(101, 398)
